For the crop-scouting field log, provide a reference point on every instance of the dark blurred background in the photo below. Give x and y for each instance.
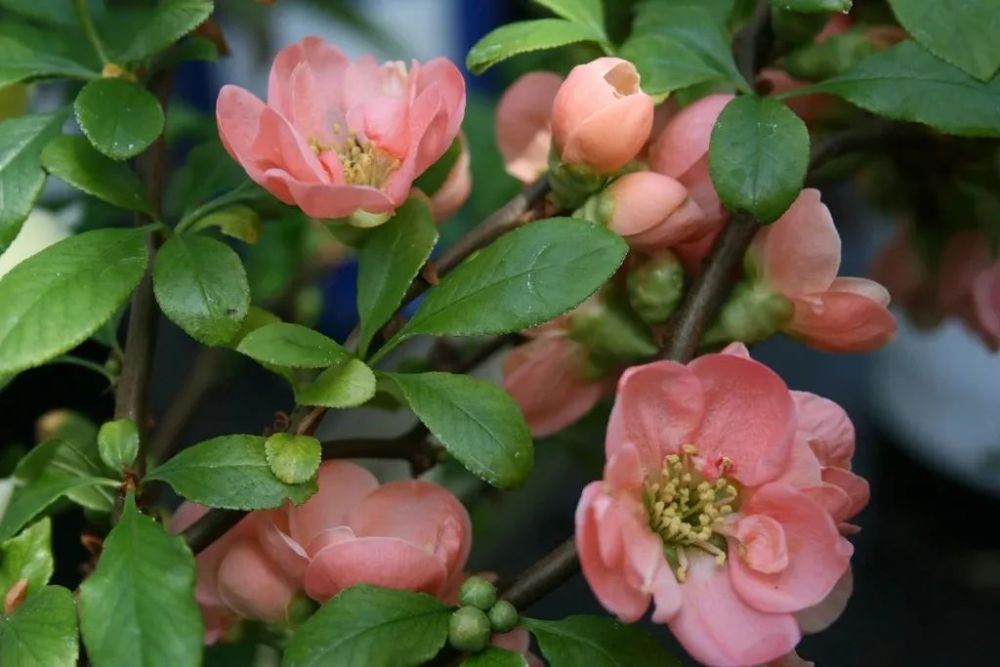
(927, 563)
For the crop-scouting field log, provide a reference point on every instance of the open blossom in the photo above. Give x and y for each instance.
(336, 136)
(524, 124)
(798, 257)
(716, 508)
(411, 535)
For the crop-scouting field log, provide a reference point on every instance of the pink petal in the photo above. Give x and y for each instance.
(688, 223)
(251, 586)
(456, 188)
(342, 485)
(325, 62)
(799, 253)
(749, 417)
(817, 554)
(717, 627)
(841, 322)
(738, 349)
(321, 200)
(986, 306)
(863, 287)
(827, 427)
(277, 544)
(623, 471)
(441, 75)
(522, 124)
(657, 408)
(856, 488)
(699, 184)
(821, 616)
(762, 544)
(684, 140)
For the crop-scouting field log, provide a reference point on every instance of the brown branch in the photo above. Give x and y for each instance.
(210, 527)
(752, 44)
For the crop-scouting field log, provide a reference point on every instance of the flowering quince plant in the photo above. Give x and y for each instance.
(664, 224)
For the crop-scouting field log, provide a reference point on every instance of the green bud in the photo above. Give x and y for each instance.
(118, 443)
(293, 459)
(751, 314)
(598, 208)
(308, 306)
(613, 335)
(656, 288)
(469, 630)
(818, 61)
(477, 592)
(503, 617)
(365, 220)
(572, 184)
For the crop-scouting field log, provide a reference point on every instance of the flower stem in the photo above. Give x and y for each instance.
(83, 12)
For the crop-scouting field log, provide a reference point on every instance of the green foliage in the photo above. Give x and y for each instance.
(908, 83)
(477, 422)
(75, 161)
(159, 27)
(584, 12)
(469, 629)
(292, 346)
(30, 500)
(137, 609)
(597, 641)
(231, 472)
(494, 656)
(343, 385)
(961, 32)
(294, 459)
(366, 626)
(27, 556)
(21, 174)
(23, 62)
(55, 299)
(821, 60)
(202, 287)
(120, 118)
(813, 6)
(238, 221)
(118, 443)
(41, 632)
(48, 11)
(390, 258)
(525, 36)
(758, 157)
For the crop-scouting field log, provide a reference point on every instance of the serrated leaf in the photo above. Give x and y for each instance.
(389, 260)
(597, 641)
(907, 83)
(137, 609)
(477, 422)
(524, 36)
(493, 656)
(294, 459)
(120, 118)
(41, 632)
(201, 285)
(962, 32)
(21, 173)
(292, 346)
(526, 277)
(585, 12)
(346, 385)
(758, 157)
(75, 161)
(231, 472)
(57, 298)
(48, 11)
(28, 556)
(30, 500)
(666, 65)
(118, 443)
(371, 627)
(20, 62)
(168, 22)
(238, 222)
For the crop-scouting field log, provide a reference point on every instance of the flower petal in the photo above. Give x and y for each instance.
(821, 616)
(342, 485)
(685, 138)
(251, 585)
(841, 322)
(523, 117)
(828, 429)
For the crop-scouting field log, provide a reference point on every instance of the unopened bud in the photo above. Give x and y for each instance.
(503, 617)
(118, 443)
(613, 335)
(469, 629)
(477, 592)
(751, 314)
(656, 288)
(113, 71)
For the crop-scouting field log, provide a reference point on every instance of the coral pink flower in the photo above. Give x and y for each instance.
(337, 136)
(652, 211)
(699, 511)
(967, 284)
(600, 116)
(410, 535)
(798, 256)
(519, 641)
(456, 187)
(523, 124)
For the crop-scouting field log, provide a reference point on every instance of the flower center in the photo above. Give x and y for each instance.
(687, 510)
(363, 162)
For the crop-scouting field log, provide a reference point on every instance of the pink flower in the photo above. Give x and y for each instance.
(700, 511)
(336, 136)
(523, 124)
(600, 117)
(547, 378)
(798, 256)
(967, 284)
(652, 211)
(456, 187)
(519, 641)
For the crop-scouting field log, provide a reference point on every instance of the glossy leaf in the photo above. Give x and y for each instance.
(758, 157)
(137, 609)
(41, 632)
(477, 422)
(168, 22)
(522, 37)
(585, 12)
(75, 161)
(20, 62)
(238, 222)
(597, 641)
(21, 173)
(30, 500)
(292, 346)
(390, 258)
(120, 118)
(48, 11)
(345, 385)
(57, 298)
(813, 6)
(118, 443)
(665, 64)
(28, 556)
(294, 459)
(231, 472)
(493, 656)
(962, 32)
(201, 285)
(374, 627)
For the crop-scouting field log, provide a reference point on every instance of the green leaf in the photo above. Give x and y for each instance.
(41, 632)
(201, 285)
(526, 277)
(961, 32)
(292, 346)
(118, 443)
(524, 36)
(20, 62)
(345, 385)
(238, 221)
(137, 609)
(38, 458)
(813, 6)
(168, 22)
(477, 422)
(366, 626)
(907, 83)
(28, 556)
(48, 11)
(390, 258)
(78, 455)
(294, 459)
(231, 472)
(815, 61)
(597, 641)
(57, 298)
(120, 118)
(493, 656)
(21, 174)
(665, 64)
(31, 500)
(758, 157)
(75, 161)
(585, 12)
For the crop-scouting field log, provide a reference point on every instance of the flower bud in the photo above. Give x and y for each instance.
(656, 288)
(600, 116)
(612, 334)
(469, 629)
(503, 617)
(751, 314)
(477, 592)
